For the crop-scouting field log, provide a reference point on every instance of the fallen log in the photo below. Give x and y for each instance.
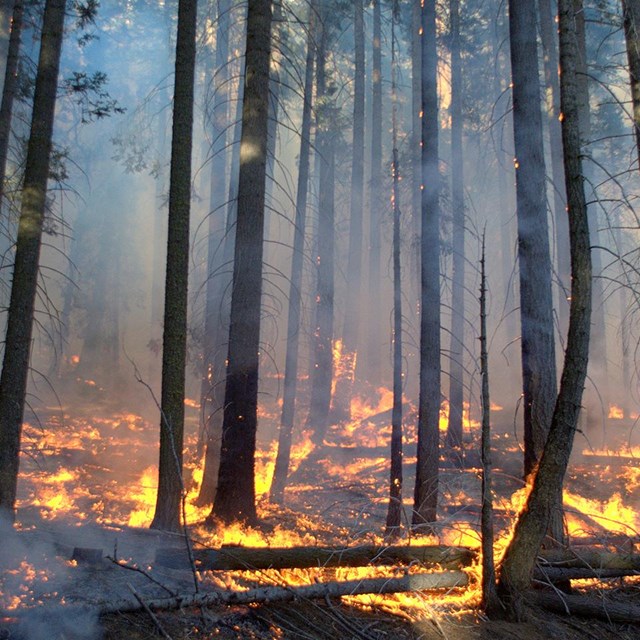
(555, 574)
(589, 559)
(243, 558)
(587, 607)
(262, 595)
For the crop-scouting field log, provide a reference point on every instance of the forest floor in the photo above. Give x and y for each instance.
(338, 498)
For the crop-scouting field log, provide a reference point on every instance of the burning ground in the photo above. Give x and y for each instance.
(87, 494)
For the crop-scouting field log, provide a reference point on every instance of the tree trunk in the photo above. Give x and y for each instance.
(426, 488)
(374, 340)
(456, 368)
(536, 307)
(15, 367)
(216, 322)
(321, 375)
(394, 511)
(489, 595)
(283, 457)
(416, 150)
(6, 108)
(346, 373)
(174, 339)
(631, 12)
(239, 558)
(561, 224)
(235, 494)
(598, 348)
(532, 524)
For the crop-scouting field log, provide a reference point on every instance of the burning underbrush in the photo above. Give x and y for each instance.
(88, 486)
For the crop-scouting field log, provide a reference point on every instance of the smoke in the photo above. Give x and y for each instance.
(33, 578)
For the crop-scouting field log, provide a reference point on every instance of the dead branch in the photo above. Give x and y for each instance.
(239, 558)
(555, 574)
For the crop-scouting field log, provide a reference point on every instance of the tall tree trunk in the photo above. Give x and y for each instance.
(520, 556)
(536, 306)
(489, 595)
(394, 511)
(598, 348)
(321, 375)
(174, 339)
(426, 488)
(216, 321)
(561, 224)
(235, 494)
(456, 368)
(374, 361)
(15, 366)
(416, 150)
(631, 13)
(344, 380)
(6, 107)
(283, 457)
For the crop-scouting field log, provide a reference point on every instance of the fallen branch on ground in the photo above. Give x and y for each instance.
(239, 558)
(589, 559)
(260, 595)
(587, 607)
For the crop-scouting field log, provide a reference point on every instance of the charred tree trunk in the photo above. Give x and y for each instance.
(561, 223)
(536, 307)
(456, 369)
(520, 556)
(322, 372)
(416, 150)
(216, 322)
(6, 107)
(394, 511)
(221, 330)
(631, 12)
(15, 366)
(235, 494)
(426, 488)
(174, 339)
(489, 595)
(344, 381)
(283, 457)
(374, 361)
(598, 347)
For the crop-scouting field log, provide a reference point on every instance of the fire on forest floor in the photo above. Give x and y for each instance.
(89, 481)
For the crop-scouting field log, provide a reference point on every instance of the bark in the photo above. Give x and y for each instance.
(174, 339)
(520, 556)
(344, 380)
(588, 607)
(631, 13)
(416, 155)
(235, 494)
(221, 340)
(489, 595)
(394, 511)
(536, 306)
(216, 321)
(559, 199)
(426, 487)
(285, 434)
(374, 360)
(260, 595)
(9, 87)
(322, 372)
(6, 8)
(239, 558)
(456, 369)
(598, 346)
(13, 381)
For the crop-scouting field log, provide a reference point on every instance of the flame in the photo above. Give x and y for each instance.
(612, 515)
(615, 413)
